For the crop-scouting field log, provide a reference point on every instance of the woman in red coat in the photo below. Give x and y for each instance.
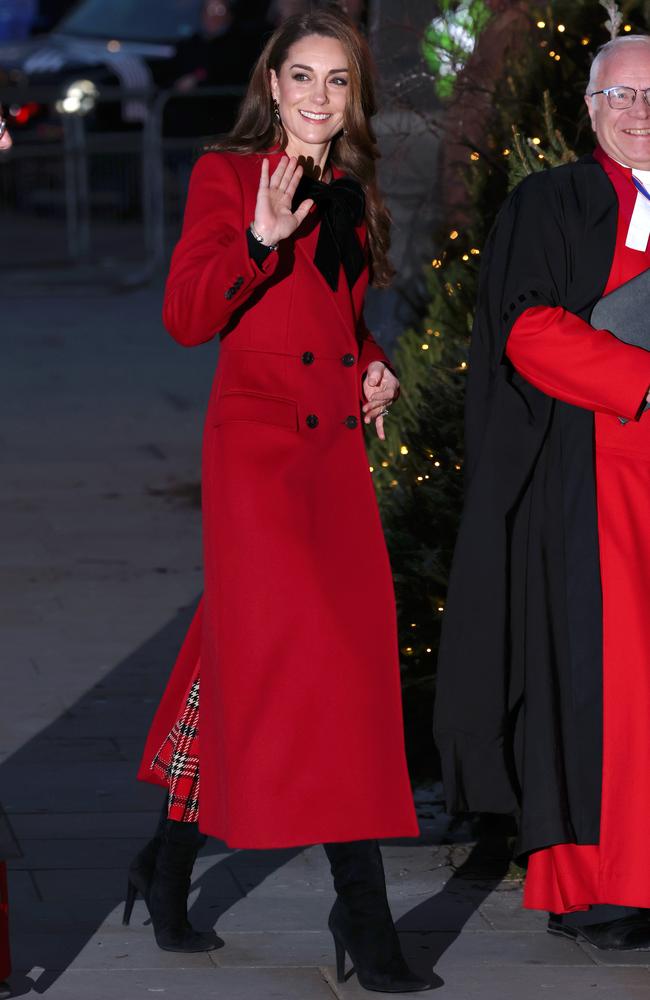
(282, 723)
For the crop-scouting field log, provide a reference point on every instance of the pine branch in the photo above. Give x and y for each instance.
(615, 19)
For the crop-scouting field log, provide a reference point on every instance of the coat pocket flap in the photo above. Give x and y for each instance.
(256, 407)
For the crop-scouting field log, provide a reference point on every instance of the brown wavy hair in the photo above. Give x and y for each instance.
(354, 150)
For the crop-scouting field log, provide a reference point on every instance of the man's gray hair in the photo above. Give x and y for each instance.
(606, 50)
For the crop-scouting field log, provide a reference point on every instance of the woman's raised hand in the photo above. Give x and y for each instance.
(274, 219)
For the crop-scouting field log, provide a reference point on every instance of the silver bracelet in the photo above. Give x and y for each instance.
(256, 236)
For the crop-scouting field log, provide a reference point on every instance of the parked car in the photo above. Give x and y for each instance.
(139, 47)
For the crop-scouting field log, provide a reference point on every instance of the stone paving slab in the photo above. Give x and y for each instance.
(189, 984)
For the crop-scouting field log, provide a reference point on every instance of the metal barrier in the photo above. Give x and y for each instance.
(100, 204)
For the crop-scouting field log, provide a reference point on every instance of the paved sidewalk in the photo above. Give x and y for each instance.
(99, 572)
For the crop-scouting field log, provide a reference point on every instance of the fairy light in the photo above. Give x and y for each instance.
(536, 141)
(585, 41)
(552, 53)
(454, 234)
(465, 256)
(627, 27)
(475, 251)
(561, 27)
(463, 365)
(475, 156)
(437, 465)
(425, 347)
(541, 24)
(436, 262)
(385, 464)
(506, 152)
(428, 649)
(441, 608)
(403, 450)
(558, 57)
(371, 468)
(393, 482)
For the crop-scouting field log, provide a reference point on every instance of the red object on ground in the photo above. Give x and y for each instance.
(300, 705)
(561, 355)
(5, 953)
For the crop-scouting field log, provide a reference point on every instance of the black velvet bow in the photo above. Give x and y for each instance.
(342, 206)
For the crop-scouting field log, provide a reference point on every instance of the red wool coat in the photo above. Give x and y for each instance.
(301, 737)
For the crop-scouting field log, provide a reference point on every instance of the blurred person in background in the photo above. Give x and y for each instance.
(281, 725)
(5, 136)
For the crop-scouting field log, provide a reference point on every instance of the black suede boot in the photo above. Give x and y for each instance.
(143, 866)
(630, 933)
(361, 921)
(169, 889)
(161, 872)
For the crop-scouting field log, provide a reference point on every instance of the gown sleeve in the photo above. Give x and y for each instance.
(212, 273)
(563, 356)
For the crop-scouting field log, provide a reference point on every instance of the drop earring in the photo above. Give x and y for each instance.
(276, 111)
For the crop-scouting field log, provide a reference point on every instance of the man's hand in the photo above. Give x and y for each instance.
(381, 388)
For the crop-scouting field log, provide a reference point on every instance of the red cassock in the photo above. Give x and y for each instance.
(561, 355)
(301, 733)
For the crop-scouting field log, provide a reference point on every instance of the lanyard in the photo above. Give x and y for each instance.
(639, 186)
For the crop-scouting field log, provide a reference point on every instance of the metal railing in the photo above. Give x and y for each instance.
(108, 204)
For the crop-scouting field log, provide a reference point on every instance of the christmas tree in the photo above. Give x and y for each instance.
(517, 85)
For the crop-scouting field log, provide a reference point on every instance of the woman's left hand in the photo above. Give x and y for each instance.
(381, 388)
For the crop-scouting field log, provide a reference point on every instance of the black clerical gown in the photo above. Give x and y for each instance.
(520, 687)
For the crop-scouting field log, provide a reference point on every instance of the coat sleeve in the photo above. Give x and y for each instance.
(211, 273)
(563, 356)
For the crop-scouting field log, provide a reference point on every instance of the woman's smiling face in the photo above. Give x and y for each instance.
(311, 89)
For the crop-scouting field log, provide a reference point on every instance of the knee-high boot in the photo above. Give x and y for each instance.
(162, 873)
(361, 921)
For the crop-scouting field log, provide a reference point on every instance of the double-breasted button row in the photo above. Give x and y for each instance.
(312, 421)
(234, 288)
(308, 358)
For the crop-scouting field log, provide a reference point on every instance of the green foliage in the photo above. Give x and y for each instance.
(450, 40)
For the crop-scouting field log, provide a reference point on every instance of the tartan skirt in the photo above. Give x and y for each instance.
(177, 761)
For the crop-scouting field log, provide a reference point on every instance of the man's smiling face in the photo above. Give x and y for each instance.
(624, 135)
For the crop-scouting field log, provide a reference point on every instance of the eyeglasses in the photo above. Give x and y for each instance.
(620, 98)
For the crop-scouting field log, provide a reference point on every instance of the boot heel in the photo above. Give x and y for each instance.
(339, 951)
(131, 894)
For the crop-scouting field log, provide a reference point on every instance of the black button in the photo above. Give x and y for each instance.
(351, 422)
(312, 420)
(307, 358)
(239, 281)
(348, 360)
(230, 293)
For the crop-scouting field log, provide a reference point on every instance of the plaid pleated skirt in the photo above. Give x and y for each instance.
(177, 761)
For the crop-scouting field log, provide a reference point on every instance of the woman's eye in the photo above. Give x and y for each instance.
(340, 81)
(300, 77)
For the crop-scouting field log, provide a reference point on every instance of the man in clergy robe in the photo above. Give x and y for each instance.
(543, 694)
